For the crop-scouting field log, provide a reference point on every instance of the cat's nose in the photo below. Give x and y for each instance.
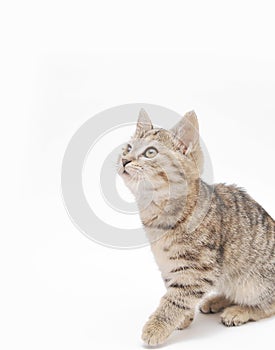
(125, 161)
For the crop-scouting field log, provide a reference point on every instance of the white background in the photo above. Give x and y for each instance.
(64, 61)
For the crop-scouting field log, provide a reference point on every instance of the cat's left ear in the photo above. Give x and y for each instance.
(186, 132)
(144, 124)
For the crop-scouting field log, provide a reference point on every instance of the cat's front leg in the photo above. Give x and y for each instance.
(176, 306)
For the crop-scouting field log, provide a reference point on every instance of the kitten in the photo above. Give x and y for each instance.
(204, 238)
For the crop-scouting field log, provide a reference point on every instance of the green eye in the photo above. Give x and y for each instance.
(150, 152)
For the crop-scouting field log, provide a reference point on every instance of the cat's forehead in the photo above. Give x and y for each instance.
(156, 135)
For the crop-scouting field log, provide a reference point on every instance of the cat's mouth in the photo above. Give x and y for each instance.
(123, 172)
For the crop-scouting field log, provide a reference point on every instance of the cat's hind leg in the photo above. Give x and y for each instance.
(240, 314)
(214, 304)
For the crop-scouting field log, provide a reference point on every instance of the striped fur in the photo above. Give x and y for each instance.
(204, 238)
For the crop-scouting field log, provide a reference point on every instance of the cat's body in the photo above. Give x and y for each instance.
(233, 249)
(204, 238)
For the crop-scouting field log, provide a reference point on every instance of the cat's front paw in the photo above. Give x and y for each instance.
(155, 332)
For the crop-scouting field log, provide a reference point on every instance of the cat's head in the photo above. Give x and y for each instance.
(159, 158)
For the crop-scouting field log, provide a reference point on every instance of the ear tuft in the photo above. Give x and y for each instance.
(144, 124)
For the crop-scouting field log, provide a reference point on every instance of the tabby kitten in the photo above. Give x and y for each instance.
(204, 238)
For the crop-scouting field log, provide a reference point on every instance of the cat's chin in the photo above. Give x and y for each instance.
(122, 172)
(125, 175)
(127, 178)
(132, 185)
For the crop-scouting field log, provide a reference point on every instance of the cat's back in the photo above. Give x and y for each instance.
(234, 202)
(248, 245)
(246, 228)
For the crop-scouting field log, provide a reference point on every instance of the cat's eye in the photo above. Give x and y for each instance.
(150, 152)
(127, 149)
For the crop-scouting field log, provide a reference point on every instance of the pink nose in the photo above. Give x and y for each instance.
(125, 161)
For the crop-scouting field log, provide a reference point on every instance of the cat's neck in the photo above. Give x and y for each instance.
(166, 212)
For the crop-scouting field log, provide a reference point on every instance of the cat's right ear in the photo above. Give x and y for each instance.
(144, 124)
